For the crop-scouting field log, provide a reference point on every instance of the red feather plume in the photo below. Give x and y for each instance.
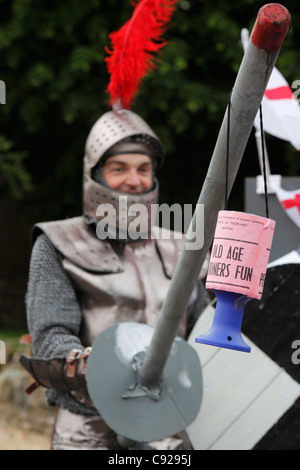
(133, 48)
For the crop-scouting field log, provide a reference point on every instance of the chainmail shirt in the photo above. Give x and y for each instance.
(53, 315)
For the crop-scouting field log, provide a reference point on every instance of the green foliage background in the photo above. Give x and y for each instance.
(52, 62)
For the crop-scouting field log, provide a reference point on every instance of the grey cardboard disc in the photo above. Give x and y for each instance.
(110, 376)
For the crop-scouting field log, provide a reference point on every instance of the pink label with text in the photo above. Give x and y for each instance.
(240, 253)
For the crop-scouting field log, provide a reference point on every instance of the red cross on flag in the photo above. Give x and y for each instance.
(280, 110)
(290, 201)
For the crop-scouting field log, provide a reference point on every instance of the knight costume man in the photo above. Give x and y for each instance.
(79, 284)
(91, 272)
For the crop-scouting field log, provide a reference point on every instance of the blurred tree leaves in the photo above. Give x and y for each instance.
(52, 62)
(13, 174)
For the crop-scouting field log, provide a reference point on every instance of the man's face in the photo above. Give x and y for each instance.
(129, 173)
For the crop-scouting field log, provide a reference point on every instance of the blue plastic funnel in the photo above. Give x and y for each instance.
(225, 331)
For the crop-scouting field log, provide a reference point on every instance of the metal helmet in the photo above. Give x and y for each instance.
(110, 129)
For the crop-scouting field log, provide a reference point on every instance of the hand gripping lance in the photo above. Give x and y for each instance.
(152, 387)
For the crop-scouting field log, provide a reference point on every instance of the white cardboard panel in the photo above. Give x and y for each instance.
(244, 394)
(260, 416)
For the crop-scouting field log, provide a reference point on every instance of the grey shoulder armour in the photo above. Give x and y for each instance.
(74, 240)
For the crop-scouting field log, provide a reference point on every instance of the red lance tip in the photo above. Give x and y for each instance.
(271, 26)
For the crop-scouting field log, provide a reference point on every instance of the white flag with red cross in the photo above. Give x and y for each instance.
(280, 107)
(280, 110)
(290, 201)
(281, 118)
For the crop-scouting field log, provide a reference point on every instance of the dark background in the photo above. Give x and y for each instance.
(52, 62)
